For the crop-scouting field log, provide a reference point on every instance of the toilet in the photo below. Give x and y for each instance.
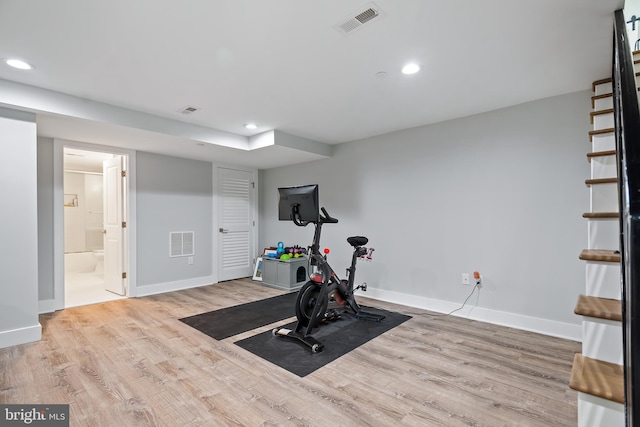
(98, 254)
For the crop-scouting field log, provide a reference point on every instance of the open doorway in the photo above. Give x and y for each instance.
(92, 194)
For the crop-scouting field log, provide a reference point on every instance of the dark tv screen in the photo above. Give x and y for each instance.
(299, 203)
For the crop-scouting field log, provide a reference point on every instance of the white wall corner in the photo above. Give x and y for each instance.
(503, 318)
(46, 306)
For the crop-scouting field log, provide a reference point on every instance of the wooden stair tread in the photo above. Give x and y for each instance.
(600, 132)
(600, 255)
(597, 378)
(600, 308)
(601, 215)
(594, 98)
(593, 181)
(600, 113)
(602, 95)
(600, 154)
(599, 82)
(607, 80)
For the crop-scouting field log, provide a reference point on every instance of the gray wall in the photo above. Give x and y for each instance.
(45, 219)
(18, 228)
(173, 194)
(501, 192)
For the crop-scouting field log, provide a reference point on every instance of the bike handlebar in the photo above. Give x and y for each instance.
(327, 218)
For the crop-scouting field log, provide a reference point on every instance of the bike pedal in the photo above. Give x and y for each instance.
(331, 316)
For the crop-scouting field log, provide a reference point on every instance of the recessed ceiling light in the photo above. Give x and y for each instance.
(410, 69)
(251, 126)
(16, 63)
(381, 74)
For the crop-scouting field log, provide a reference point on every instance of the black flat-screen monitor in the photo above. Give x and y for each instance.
(299, 204)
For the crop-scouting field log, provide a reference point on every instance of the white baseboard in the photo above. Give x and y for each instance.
(20, 336)
(503, 318)
(46, 306)
(160, 288)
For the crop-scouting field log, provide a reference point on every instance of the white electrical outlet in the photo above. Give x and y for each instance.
(465, 279)
(190, 260)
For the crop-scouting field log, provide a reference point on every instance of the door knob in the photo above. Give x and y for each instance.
(223, 230)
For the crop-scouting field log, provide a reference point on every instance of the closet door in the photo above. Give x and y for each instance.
(235, 224)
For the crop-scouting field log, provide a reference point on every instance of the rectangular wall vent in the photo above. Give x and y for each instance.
(181, 243)
(359, 18)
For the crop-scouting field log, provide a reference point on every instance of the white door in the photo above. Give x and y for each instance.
(235, 224)
(114, 279)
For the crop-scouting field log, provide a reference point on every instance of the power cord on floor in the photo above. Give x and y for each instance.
(459, 308)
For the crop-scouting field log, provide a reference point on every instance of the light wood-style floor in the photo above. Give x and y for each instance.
(133, 363)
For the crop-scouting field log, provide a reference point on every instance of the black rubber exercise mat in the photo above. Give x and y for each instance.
(230, 321)
(339, 337)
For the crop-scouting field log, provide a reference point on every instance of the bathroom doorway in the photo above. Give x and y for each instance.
(85, 198)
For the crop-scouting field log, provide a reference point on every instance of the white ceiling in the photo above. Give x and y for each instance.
(283, 65)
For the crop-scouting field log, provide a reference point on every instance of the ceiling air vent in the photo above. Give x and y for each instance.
(359, 18)
(188, 110)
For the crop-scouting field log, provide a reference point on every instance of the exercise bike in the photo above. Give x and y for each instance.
(324, 286)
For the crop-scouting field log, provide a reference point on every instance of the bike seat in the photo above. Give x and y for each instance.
(356, 241)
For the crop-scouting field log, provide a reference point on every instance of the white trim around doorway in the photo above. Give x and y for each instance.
(58, 219)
